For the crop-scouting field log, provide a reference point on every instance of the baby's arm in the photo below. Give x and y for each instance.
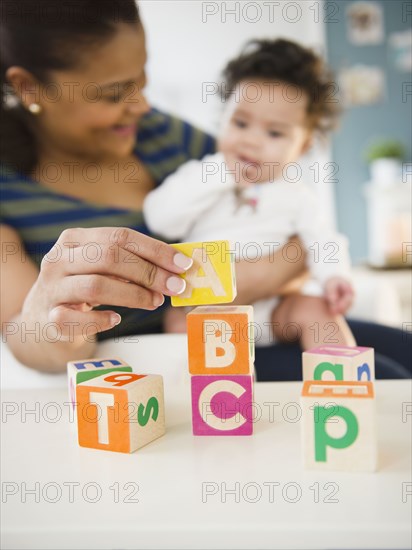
(172, 208)
(327, 253)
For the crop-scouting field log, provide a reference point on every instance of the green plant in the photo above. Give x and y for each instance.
(385, 148)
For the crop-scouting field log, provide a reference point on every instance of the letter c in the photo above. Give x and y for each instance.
(208, 394)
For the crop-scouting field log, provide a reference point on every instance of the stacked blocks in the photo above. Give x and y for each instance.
(220, 343)
(117, 410)
(221, 357)
(338, 406)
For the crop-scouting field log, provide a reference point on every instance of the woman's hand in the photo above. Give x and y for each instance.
(89, 267)
(86, 268)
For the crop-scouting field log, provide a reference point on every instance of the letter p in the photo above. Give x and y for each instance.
(323, 440)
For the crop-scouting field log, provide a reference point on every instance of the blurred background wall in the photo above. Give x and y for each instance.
(383, 112)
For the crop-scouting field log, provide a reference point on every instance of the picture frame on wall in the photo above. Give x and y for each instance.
(362, 85)
(365, 23)
(400, 50)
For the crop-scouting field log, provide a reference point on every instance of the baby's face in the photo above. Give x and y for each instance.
(267, 130)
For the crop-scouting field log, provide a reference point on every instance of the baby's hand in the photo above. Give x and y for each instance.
(339, 294)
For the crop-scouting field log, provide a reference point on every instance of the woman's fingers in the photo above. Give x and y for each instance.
(120, 253)
(69, 323)
(137, 244)
(98, 289)
(120, 264)
(150, 249)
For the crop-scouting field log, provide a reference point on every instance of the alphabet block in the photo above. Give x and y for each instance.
(120, 411)
(86, 369)
(220, 340)
(222, 405)
(339, 426)
(339, 363)
(211, 279)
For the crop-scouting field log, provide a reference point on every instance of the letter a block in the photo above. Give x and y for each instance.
(339, 363)
(220, 340)
(339, 426)
(222, 405)
(86, 369)
(211, 279)
(120, 411)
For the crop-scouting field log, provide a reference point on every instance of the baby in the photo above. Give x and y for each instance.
(277, 97)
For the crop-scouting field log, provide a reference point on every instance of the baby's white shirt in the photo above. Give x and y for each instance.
(198, 203)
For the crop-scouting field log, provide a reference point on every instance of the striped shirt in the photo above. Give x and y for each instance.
(40, 214)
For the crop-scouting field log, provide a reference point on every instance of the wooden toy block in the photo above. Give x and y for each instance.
(86, 369)
(339, 426)
(222, 405)
(339, 363)
(211, 279)
(120, 411)
(220, 340)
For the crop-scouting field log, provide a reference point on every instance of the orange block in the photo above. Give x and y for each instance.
(338, 388)
(221, 340)
(120, 411)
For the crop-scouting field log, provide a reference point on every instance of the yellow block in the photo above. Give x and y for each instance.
(211, 279)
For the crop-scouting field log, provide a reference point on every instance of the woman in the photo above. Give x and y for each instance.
(72, 105)
(93, 63)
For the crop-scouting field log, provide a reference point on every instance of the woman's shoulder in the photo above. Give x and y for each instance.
(165, 142)
(157, 123)
(15, 183)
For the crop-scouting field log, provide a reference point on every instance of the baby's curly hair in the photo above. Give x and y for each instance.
(285, 61)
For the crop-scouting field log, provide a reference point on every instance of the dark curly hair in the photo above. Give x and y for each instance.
(42, 36)
(285, 61)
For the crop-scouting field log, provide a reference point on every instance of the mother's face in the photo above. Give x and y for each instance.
(101, 100)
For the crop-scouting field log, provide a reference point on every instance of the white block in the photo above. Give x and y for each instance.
(339, 426)
(339, 363)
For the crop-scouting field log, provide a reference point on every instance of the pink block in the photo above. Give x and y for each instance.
(222, 405)
(347, 351)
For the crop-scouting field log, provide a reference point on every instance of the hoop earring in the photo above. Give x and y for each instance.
(34, 108)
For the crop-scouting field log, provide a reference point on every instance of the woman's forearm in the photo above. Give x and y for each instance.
(272, 275)
(38, 345)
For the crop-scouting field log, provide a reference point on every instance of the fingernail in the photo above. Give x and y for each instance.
(115, 319)
(158, 300)
(182, 261)
(176, 285)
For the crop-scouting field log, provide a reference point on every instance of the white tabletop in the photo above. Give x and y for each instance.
(171, 493)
